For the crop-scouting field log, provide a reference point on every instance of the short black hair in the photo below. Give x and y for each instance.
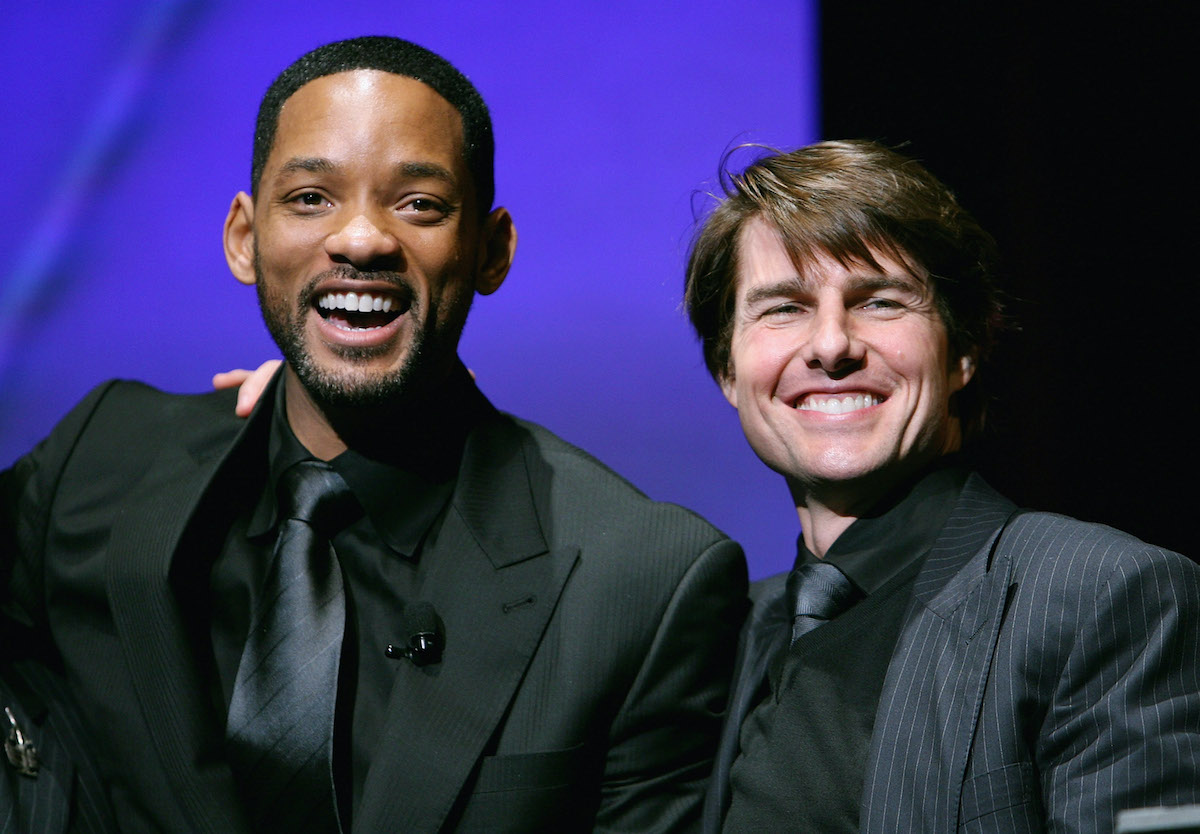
(399, 57)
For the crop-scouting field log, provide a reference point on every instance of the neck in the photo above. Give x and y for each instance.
(826, 509)
(409, 424)
(309, 421)
(822, 520)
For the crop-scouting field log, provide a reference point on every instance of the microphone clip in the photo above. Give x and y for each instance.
(423, 648)
(425, 640)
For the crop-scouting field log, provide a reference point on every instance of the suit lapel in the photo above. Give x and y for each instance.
(934, 686)
(494, 582)
(151, 625)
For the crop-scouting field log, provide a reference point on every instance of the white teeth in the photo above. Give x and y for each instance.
(838, 405)
(356, 302)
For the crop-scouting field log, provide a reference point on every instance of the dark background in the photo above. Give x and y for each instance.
(1063, 133)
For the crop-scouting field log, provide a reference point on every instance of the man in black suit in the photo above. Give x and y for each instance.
(936, 661)
(582, 634)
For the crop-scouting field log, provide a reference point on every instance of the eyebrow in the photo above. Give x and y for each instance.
(424, 170)
(408, 170)
(310, 165)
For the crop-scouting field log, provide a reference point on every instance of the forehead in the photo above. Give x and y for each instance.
(363, 114)
(764, 258)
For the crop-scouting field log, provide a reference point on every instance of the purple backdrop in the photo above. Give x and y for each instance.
(132, 122)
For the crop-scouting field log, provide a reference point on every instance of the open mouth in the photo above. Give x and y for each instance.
(361, 310)
(836, 404)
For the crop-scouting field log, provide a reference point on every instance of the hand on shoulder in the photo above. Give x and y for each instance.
(251, 384)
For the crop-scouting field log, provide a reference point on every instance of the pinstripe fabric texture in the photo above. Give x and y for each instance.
(1042, 684)
(67, 794)
(1045, 691)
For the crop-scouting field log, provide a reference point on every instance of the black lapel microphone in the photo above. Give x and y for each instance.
(424, 629)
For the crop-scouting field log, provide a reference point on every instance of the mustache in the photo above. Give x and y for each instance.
(346, 272)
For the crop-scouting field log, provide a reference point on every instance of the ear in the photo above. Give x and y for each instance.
(961, 372)
(239, 238)
(728, 388)
(498, 246)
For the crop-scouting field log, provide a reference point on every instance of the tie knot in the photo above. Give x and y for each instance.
(820, 590)
(313, 492)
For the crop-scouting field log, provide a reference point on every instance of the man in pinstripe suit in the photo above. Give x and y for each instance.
(975, 668)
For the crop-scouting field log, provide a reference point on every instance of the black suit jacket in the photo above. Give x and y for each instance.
(589, 631)
(1045, 678)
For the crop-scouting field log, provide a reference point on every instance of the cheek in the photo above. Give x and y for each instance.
(284, 253)
(760, 359)
(919, 357)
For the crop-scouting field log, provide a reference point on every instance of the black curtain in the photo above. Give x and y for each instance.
(1068, 133)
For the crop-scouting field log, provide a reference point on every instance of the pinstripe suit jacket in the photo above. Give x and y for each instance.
(66, 796)
(1045, 677)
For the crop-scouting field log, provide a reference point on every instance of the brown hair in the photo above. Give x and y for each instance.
(847, 199)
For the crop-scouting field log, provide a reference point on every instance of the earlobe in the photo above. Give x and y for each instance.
(239, 238)
(964, 371)
(496, 251)
(728, 388)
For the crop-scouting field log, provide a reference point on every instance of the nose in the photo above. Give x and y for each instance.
(832, 345)
(364, 243)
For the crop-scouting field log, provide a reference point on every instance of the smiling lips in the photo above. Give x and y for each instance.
(837, 403)
(360, 310)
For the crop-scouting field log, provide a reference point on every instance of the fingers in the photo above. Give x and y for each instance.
(251, 384)
(229, 379)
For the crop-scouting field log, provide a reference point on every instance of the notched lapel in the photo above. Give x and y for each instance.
(495, 584)
(494, 497)
(935, 682)
(960, 558)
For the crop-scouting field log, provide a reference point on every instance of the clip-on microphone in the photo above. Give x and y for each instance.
(425, 640)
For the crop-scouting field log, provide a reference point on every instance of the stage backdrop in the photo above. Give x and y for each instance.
(129, 125)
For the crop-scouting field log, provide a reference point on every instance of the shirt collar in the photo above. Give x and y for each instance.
(898, 531)
(401, 498)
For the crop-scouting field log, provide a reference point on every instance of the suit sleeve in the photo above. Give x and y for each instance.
(1123, 727)
(27, 493)
(665, 734)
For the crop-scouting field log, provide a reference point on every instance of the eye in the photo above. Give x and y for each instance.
(786, 308)
(425, 209)
(308, 201)
(885, 307)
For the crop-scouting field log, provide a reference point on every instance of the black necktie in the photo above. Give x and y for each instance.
(820, 592)
(280, 726)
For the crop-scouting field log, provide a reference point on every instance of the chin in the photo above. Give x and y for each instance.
(344, 385)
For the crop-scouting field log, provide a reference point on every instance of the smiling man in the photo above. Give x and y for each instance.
(937, 660)
(378, 604)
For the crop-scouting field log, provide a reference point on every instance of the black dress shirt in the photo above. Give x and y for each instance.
(402, 500)
(805, 746)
